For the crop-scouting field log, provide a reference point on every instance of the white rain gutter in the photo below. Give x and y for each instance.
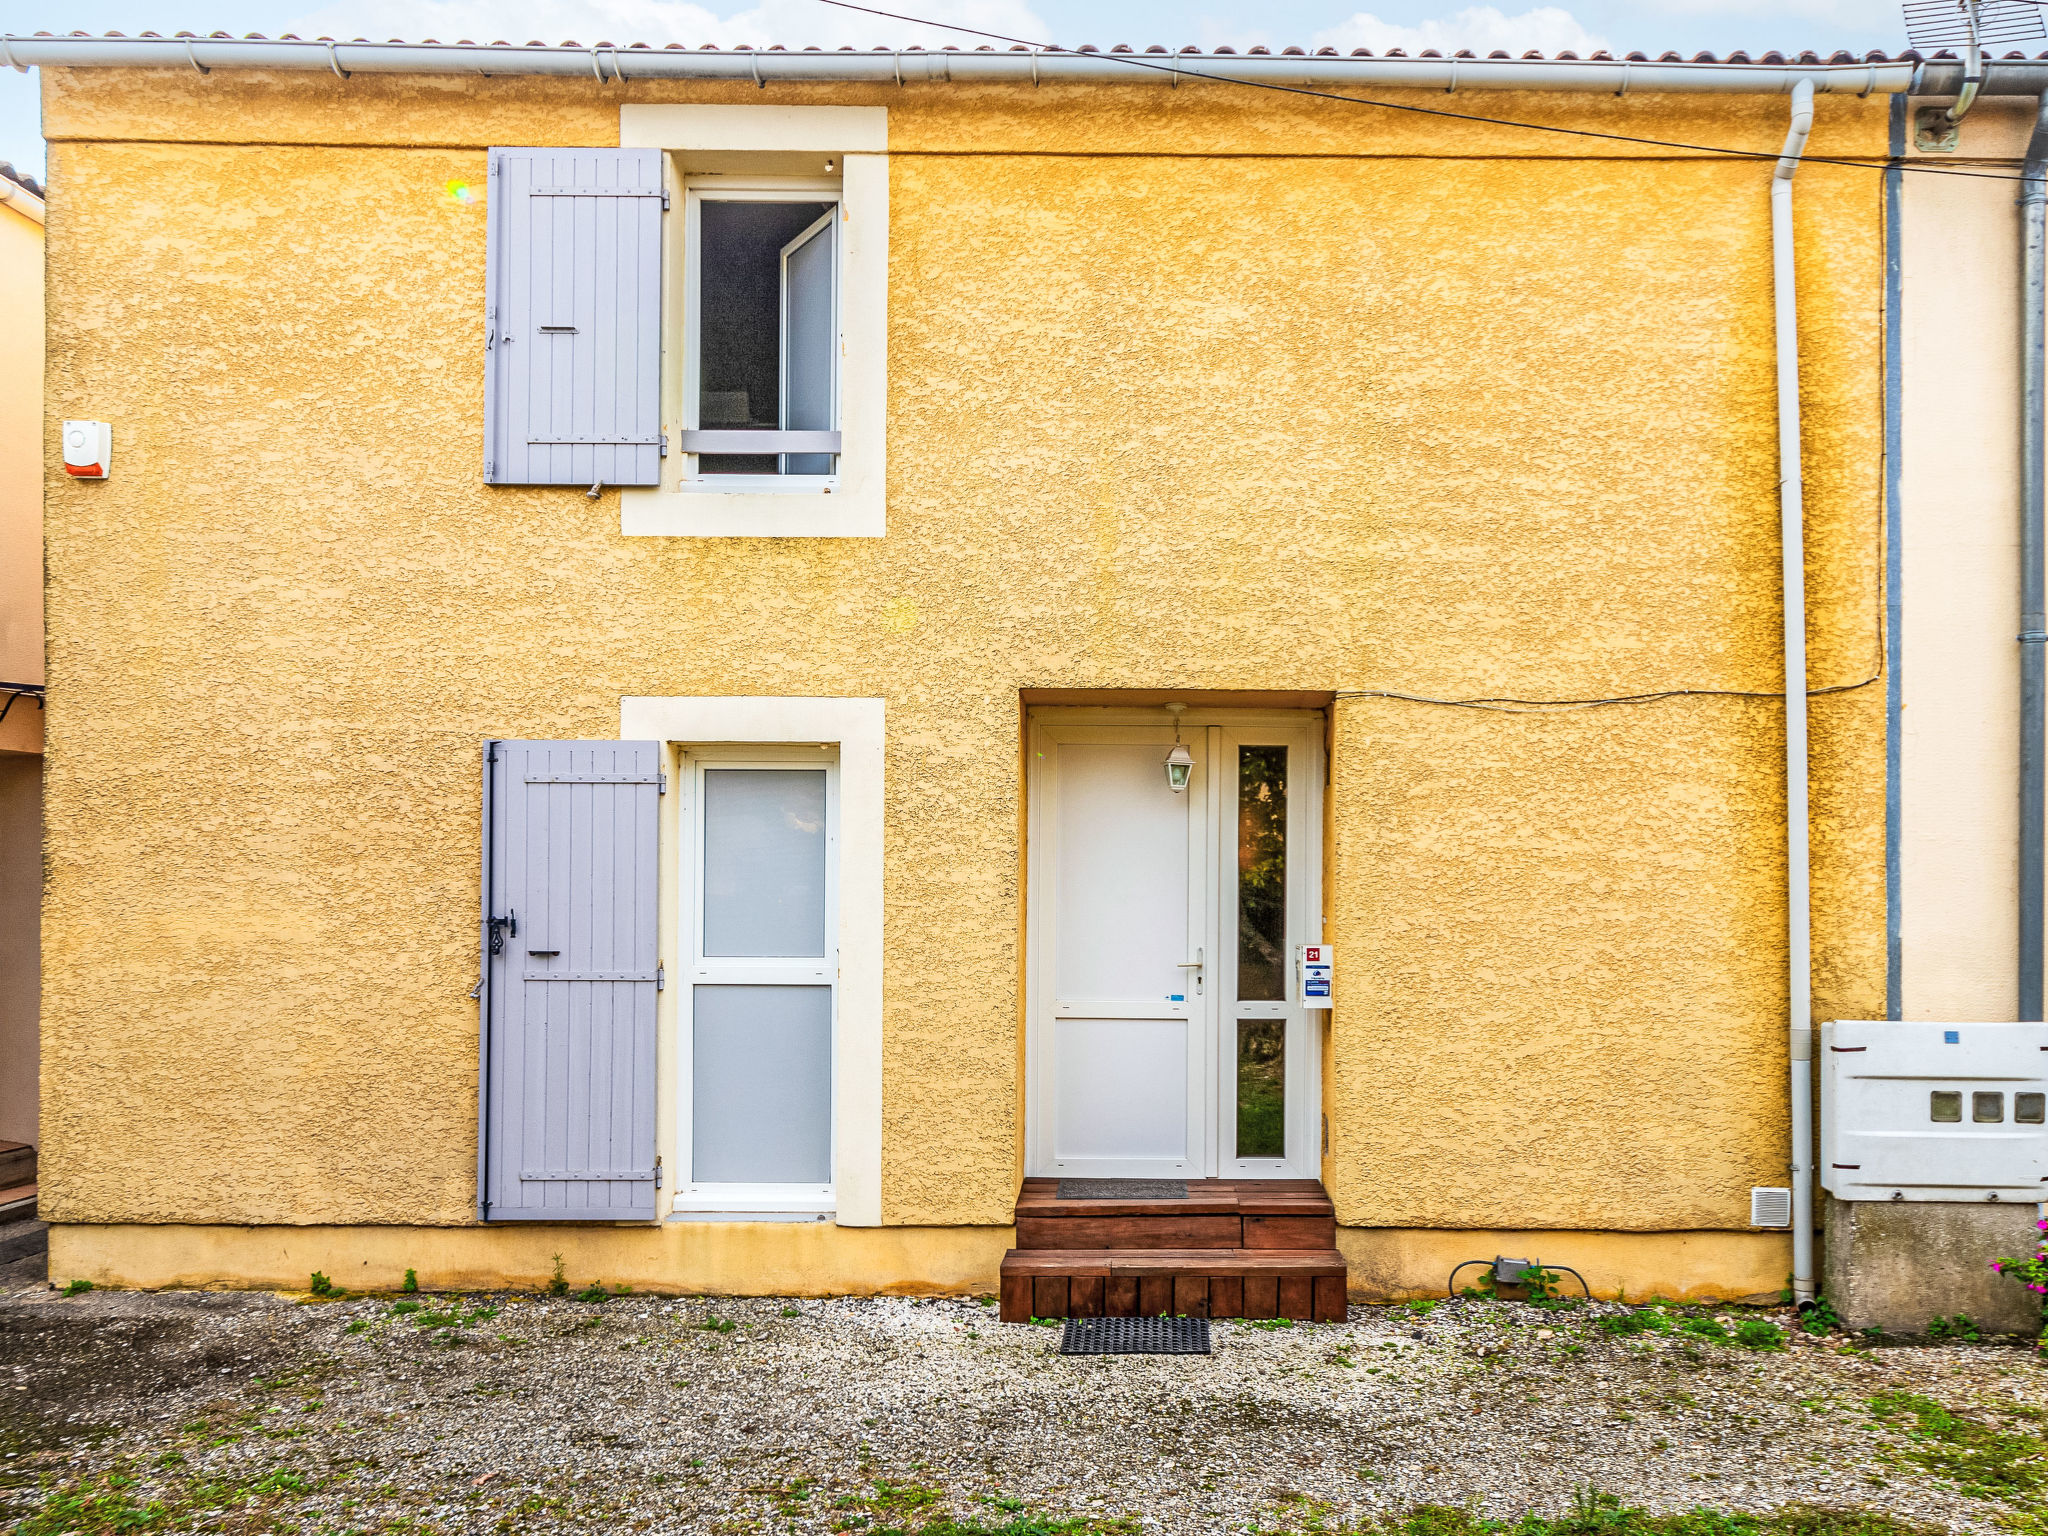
(1792, 553)
(21, 200)
(607, 62)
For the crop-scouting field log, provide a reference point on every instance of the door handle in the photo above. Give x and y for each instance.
(1194, 965)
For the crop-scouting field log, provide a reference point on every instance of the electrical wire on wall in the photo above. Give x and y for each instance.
(1139, 61)
(1509, 704)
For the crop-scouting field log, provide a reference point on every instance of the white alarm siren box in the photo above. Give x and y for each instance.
(88, 449)
(1955, 1112)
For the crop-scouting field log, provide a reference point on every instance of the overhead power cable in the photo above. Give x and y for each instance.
(1140, 61)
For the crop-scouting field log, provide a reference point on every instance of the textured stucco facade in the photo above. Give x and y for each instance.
(1189, 389)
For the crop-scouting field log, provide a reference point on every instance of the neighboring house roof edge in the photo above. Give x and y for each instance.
(23, 193)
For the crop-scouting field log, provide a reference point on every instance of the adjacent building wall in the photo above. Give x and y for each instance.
(1189, 388)
(21, 661)
(1959, 526)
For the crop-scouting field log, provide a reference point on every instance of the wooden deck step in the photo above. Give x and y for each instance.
(1306, 1285)
(1218, 1213)
(17, 1163)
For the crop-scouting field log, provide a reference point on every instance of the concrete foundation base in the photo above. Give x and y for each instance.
(1898, 1265)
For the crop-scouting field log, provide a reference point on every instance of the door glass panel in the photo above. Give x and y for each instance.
(761, 1085)
(1261, 876)
(764, 861)
(1121, 907)
(1261, 1087)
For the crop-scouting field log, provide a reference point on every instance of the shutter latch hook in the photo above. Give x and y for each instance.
(500, 926)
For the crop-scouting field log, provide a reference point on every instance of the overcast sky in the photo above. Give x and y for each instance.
(1583, 25)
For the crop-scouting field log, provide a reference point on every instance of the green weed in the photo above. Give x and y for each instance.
(558, 1283)
(1958, 1329)
(1642, 1320)
(1593, 1513)
(412, 1281)
(1821, 1318)
(78, 1288)
(320, 1285)
(1984, 1460)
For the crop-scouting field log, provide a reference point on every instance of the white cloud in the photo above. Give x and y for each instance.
(1482, 28)
(793, 23)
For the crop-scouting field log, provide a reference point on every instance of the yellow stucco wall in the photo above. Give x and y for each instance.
(1189, 388)
(815, 1259)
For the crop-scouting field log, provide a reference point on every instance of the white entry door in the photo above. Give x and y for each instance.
(1166, 1038)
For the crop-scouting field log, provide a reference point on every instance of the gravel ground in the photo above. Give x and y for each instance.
(257, 1412)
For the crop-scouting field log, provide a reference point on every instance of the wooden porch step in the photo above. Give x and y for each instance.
(1218, 1213)
(17, 1163)
(1206, 1197)
(1306, 1285)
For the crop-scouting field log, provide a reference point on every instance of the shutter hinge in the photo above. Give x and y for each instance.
(660, 976)
(659, 1183)
(664, 199)
(664, 445)
(664, 784)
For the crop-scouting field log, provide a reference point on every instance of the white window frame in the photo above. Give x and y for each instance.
(693, 1195)
(734, 189)
(761, 145)
(855, 728)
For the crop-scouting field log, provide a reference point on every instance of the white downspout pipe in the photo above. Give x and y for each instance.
(1792, 545)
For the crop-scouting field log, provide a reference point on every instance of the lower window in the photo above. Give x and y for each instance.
(757, 1023)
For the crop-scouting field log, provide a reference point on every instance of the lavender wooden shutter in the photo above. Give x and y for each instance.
(571, 862)
(572, 382)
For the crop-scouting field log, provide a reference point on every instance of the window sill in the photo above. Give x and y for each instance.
(812, 1217)
(851, 511)
(759, 485)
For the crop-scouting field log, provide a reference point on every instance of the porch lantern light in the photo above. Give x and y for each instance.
(1180, 762)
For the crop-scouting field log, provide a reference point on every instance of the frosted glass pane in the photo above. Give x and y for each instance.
(1120, 912)
(764, 861)
(761, 1085)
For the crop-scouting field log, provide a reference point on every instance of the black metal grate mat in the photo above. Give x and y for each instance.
(1123, 1189)
(1135, 1336)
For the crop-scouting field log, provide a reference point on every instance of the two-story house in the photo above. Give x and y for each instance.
(1155, 678)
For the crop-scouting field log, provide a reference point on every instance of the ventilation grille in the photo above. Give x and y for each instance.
(1770, 1207)
(1946, 23)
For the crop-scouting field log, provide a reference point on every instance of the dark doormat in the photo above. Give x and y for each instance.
(1135, 1336)
(1123, 1189)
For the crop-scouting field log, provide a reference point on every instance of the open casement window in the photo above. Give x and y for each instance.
(758, 1013)
(571, 889)
(761, 341)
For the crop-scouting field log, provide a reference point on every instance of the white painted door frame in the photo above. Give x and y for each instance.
(1215, 738)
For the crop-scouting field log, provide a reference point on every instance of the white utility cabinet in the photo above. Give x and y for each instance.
(1954, 1112)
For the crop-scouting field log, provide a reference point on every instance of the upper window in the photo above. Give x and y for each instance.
(762, 336)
